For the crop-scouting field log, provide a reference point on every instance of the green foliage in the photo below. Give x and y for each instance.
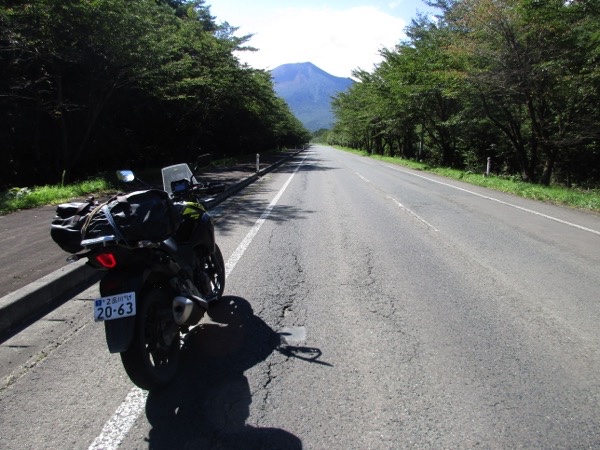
(22, 198)
(512, 80)
(578, 198)
(320, 136)
(91, 85)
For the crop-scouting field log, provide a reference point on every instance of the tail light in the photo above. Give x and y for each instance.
(107, 260)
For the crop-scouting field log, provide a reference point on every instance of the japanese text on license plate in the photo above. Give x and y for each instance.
(114, 306)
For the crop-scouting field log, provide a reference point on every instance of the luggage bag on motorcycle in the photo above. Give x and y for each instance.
(141, 215)
(66, 226)
(196, 228)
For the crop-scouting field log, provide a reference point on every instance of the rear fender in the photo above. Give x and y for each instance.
(119, 332)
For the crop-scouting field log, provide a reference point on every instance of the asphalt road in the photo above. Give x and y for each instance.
(27, 251)
(367, 306)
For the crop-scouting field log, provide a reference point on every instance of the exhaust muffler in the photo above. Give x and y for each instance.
(188, 311)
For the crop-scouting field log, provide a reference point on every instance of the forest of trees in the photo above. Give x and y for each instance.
(514, 80)
(95, 85)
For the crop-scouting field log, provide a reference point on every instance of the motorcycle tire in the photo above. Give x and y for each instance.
(152, 359)
(212, 267)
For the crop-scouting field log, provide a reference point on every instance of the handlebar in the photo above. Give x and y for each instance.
(181, 182)
(183, 189)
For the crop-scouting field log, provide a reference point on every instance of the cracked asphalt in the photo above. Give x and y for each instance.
(374, 309)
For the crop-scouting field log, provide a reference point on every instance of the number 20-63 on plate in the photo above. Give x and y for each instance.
(114, 306)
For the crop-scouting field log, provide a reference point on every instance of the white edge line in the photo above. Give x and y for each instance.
(239, 251)
(555, 219)
(117, 427)
(120, 423)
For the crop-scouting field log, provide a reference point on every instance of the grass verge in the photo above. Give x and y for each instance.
(23, 198)
(15, 199)
(575, 198)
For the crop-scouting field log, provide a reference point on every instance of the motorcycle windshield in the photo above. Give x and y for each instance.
(176, 172)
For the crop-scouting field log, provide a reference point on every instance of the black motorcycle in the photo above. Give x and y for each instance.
(162, 268)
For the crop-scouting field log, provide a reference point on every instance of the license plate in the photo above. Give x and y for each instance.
(114, 307)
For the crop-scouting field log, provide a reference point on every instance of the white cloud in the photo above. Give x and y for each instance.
(337, 41)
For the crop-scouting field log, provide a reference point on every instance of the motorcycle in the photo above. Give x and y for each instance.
(162, 268)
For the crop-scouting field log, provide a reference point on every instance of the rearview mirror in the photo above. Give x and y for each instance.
(125, 176)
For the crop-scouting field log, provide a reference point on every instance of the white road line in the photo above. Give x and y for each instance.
(555, 219)
(239, 251)
(362, 178)
(117, 427)
(401, 206)
(120, 423)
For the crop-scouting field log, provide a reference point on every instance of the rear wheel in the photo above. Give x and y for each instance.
(152, 359)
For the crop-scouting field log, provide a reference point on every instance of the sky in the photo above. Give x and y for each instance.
(337, 36)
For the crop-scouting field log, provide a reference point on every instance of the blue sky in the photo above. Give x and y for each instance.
(337, 36)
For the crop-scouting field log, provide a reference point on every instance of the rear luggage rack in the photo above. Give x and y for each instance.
(101, 241)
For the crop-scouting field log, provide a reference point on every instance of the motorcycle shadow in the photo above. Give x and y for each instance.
(207, 405)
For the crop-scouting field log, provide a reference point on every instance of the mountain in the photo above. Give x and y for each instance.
(308, 91)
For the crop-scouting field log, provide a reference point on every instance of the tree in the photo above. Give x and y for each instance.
(416, 87)
(91, 84)
(529, 72)
(516, 80)
(67, 61)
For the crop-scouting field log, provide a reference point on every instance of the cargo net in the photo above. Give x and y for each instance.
(141, 215)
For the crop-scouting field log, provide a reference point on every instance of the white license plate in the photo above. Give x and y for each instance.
(114, 306)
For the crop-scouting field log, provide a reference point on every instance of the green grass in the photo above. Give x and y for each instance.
(23, 198)
(225, 162)
(576, 198)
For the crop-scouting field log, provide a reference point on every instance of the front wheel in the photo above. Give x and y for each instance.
(152, 359)
(210, 275)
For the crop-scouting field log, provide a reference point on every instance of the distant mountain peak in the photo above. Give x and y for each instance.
(308, 91)
(304, 68)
